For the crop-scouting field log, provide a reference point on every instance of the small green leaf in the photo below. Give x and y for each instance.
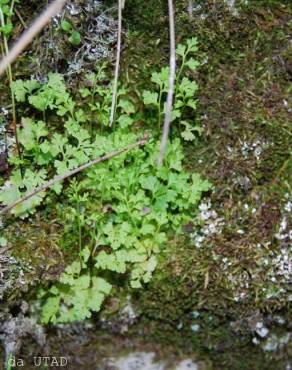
(188, 88)
(27, 135)
(50, 309)
(161, 78)
(7, 29)
(135, 284)
(66, 26)
(188, 135)
(181, 49)
(85, 92)
(125, 121)
(85, 254)
(57, 188)
(126, 106)
(150, 98)
(41, 101)
(147, 228)
(192, 44)
(192, 64)
(175, 114)
(82, 282)
(19, 90)
(192, 104)
(149, 182)
(75, 38)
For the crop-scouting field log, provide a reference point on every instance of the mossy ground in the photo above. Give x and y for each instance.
(244, 99)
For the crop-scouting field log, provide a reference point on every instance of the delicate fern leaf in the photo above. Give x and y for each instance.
(50, 310)
(192, 64)
(181, 50)
(150, 98)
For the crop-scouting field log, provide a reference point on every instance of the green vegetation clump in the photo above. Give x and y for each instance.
(73, 36)
(6, 13)
(117, 216)
(184, 95)
(126, 209)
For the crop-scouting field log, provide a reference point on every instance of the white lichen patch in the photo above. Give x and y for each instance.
(269, 332)
(98, 33)
(238, 281)
(254, 148)
(3, 145)
(283, 231)
(231, 4)
(197, 11)
(146, 361)
(14, 331)
(248, 149)
(287, 106)
(209, 224)
(234, 6)
(7, 140)
(277, 260)
(11, 273)
(276, 342)
(123, 319)
(261, 330)
(195, 328)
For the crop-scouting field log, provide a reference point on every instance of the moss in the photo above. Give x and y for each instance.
(242, 88)
(36, 247)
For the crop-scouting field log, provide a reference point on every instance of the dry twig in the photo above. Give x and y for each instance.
(169, 102)
(71, 173)
(20, 18)
(190, 9)
(26, 38)
(117, 70)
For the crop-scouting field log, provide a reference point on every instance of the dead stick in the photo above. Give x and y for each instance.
(26, 38)
(20, 18)
(190, 9)
(71, 173)
(117, 69)
(169, 101)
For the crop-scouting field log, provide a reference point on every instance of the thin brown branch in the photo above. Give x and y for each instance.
(71, 173)
(190, 10)
(117, 69)
(20, 18)
(26, 38)
(169, 102)
(4, 250)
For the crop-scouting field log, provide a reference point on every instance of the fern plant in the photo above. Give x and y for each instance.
(117, 216)
(129, 210)
(185, 91)
(78, 291)
(46, 151)
(99, 94)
